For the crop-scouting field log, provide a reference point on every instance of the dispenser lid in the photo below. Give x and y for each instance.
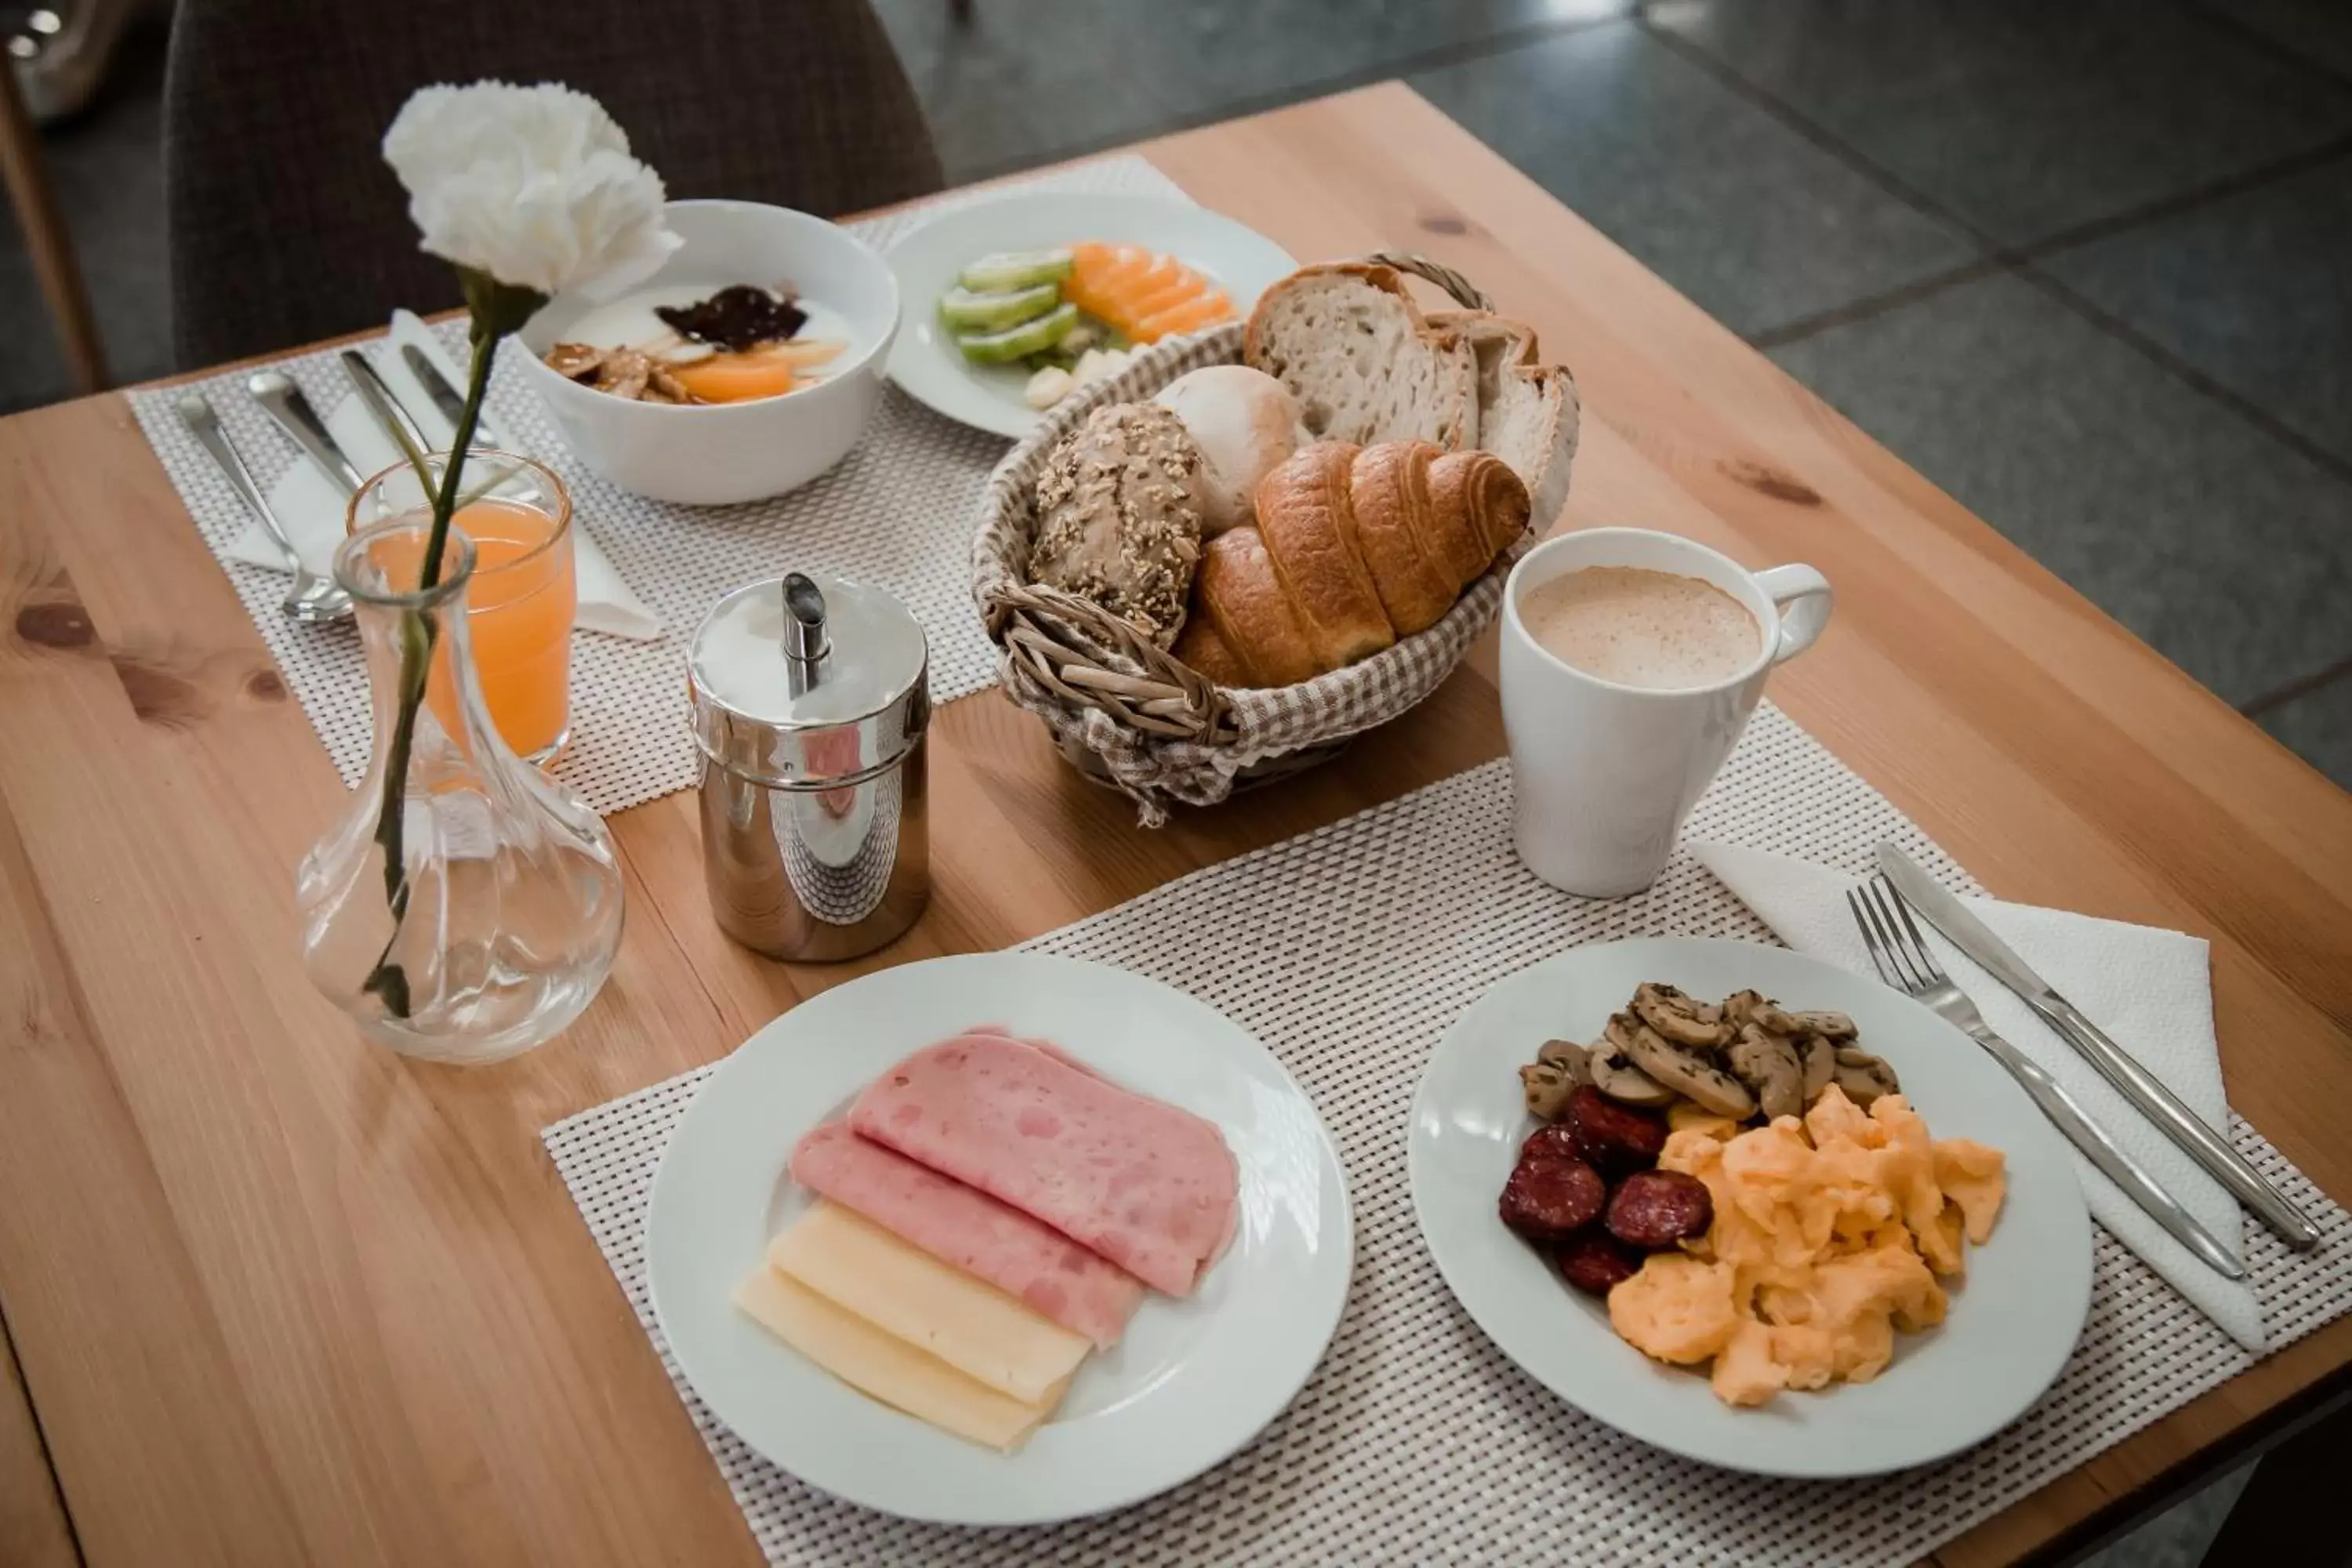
(808, 680)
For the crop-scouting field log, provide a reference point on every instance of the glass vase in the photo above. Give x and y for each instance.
(502, 919)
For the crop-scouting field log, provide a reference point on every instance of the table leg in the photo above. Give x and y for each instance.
(29, 192)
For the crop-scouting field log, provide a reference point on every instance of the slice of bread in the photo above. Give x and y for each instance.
(1348, 340)
(1527, 411)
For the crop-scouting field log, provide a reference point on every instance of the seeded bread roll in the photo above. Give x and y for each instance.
(1118, 517)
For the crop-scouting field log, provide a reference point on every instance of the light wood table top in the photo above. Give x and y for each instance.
(278, 1296)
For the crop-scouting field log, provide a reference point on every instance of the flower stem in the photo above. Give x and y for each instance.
(387, 980)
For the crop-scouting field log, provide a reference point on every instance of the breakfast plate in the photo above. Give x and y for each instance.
(1192, 1381)
(2009, 1330)
(925, 363)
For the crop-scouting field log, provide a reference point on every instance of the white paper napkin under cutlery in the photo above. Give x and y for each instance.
(311, 506)
(2151, 989)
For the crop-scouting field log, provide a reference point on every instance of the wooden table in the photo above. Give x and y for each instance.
(279, 1296)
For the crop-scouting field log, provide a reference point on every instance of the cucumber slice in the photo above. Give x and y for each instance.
(1009, 270)
(1018, 342)
(965, 311)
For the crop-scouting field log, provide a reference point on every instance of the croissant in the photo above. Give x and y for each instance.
(1354, 547)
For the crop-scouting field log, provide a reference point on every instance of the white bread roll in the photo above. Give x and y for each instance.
(1244, 422)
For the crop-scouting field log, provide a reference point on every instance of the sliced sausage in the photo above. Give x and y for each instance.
(1557, 1141)
(1546, 1199)
(1617, 1138)
(1657, 1209)
(1595, 1261)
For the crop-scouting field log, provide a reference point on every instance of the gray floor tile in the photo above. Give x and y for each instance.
(1742, 214)
(1219, 52)
(2318, 726)
(1022, 83)
(2212, 540)
(2021, 116)
(2319, 31)
(108, 172)
(1026, 81)
(2251, 289)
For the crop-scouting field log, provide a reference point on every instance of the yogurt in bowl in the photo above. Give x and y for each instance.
(736, 405)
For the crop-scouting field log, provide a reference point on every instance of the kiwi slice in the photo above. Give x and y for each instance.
(1011, 269)
(1021, 341)
(965, 311)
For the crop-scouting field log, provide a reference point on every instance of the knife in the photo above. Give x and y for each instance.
(381, 402)
(1879, 910)
(2173, 1118)
(445, 397)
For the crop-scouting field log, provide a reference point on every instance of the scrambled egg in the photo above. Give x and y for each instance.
(1830, 1234)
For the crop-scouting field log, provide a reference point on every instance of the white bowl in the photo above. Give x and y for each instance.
(716, 454)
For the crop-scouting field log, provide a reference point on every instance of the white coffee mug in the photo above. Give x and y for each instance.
(1603, 774)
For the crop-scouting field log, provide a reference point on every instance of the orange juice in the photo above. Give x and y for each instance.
(518, 619)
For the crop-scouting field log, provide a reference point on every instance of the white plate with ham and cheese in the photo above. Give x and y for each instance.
(999, 1239)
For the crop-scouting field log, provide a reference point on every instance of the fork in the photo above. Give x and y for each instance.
(312, 600)
(1905, 962)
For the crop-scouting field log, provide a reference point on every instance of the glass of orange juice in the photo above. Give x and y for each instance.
(518, 613)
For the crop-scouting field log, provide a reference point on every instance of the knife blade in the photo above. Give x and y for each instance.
(2171, 1116)
(1960, 923)
(445, 397)
(1884, 918)
(370, 385)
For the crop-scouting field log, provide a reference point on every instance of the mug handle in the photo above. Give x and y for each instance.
(1803, 597)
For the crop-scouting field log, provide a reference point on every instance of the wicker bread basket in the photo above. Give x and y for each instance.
(1124, 711)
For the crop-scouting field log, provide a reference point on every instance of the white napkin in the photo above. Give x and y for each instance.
(2151, 989)
(311, 506)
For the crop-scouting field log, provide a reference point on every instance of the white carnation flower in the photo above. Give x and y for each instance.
(534, 185)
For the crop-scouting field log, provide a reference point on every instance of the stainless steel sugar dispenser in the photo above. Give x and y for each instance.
(810, 699)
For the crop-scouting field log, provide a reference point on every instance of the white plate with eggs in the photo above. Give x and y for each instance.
(2014, 1317)
(927, 364)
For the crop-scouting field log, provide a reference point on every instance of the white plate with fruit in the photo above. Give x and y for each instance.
(1011, 303)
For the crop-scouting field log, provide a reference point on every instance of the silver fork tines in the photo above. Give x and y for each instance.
(1907, 963)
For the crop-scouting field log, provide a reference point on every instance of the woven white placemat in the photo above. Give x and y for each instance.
(897, 512)
(1350, 952)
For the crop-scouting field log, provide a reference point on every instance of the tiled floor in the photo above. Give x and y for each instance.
(1765, 227)
(2086, 264)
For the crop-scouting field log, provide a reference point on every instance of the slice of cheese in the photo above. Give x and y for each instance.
(903, 1290)
(887, 1367)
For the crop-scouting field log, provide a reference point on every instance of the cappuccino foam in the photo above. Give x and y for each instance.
(1639, 628)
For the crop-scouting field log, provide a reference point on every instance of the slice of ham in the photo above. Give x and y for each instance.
(1149, 1187)
(965, 1228)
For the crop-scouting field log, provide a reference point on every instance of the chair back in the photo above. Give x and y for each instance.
(287, 227)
